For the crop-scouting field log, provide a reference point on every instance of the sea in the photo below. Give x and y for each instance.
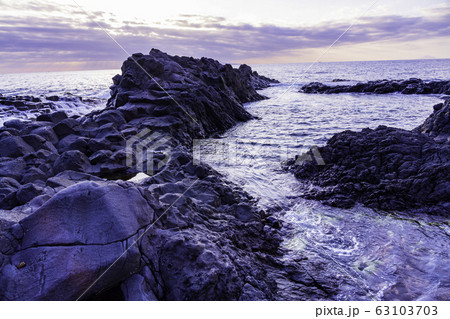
(366, 254)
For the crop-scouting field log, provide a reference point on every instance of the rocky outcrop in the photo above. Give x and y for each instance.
(437, 125)
(411, 86)
(385, 168)
(203, 96)
(71, 227)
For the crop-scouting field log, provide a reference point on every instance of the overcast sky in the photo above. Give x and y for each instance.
(61, 35)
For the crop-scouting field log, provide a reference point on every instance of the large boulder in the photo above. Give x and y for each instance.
(14, 146)
(88, 213)
(73, 238)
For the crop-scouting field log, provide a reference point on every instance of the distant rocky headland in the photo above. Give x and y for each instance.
(73, 226)
(384, 168)
(411, 86)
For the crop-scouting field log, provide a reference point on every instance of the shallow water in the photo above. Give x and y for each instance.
(368, 255)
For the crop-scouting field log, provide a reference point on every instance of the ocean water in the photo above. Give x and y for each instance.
(92, 85)
(88, 84)
(367, 255)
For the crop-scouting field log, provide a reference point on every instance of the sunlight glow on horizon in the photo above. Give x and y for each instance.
(57, 34)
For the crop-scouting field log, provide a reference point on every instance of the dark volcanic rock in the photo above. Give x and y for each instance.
(203, 94)
(437, 125)
(27, 192)
(190, 254)
(13, 168)
(182, 233)
(411, 86)
(385, 168)
(14, 146)
(73, 161)
(102, 214)
(8, 191)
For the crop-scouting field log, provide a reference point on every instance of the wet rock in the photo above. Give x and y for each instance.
(51, 265)
(111, 116)
(89, 207)
(15, 124)
(244, 212)
(64, 128)
(58, 116)
(104, 217)
(8, 184)
(44, 118)
(100, 156)
(107, 130)
(73, 142)
(8, 190)
(69, 178)
(136, 288)
(53, 98)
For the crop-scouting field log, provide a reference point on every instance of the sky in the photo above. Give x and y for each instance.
(63, 35)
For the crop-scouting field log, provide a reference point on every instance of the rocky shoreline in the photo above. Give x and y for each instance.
(69, 211)
(386, 168)
(30, 107)
(411, 86)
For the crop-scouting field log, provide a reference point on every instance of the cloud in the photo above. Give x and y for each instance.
(71, 37)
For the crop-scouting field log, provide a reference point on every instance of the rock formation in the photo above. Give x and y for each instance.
(68, 213)
(209, 93)
(385, 168)
(411, 86)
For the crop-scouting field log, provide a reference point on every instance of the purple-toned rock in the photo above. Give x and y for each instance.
(385, 168)
(411, 86)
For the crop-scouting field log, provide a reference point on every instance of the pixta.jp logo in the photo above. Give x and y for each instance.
(148, 151)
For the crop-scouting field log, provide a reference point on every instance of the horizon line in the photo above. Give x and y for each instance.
(231, 63)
